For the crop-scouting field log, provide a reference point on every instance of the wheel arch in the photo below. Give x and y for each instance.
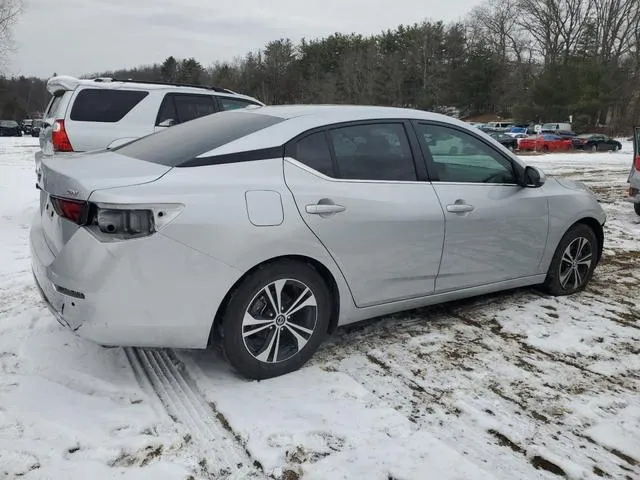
(596, 227)
(322, 270)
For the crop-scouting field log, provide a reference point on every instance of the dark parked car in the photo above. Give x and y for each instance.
(10, 128)
(596, 142)
(36, 127)
(27, 126)
(507, 140)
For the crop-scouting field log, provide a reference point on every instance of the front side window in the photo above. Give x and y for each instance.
(102, 105)
(314, 152)
(377, 151)
(460, 157)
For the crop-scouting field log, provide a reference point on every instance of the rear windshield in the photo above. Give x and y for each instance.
(101, 105)
(177, 145)
(8, 123)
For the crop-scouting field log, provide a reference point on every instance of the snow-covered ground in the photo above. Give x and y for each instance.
(510, 386)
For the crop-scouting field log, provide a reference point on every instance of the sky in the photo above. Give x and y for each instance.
(76, 37)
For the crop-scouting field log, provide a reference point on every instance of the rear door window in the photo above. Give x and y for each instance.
(100, 105)
(190, 107)
(378, 151)
(180, 107)
(314, 152)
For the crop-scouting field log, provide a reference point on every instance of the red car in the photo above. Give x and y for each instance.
(545, 143)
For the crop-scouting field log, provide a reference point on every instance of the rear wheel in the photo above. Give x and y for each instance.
(594, 148)
(275, 320)
(573, 263)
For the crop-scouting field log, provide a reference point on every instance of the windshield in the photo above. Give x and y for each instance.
(177, 145)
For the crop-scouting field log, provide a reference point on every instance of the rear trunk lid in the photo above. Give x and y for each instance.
(75, 177)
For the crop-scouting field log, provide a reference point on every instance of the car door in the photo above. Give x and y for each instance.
(361, 192)
(182, 107)
(496, 230)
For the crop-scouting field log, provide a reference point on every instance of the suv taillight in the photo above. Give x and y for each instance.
(636, 163)
(59, 137)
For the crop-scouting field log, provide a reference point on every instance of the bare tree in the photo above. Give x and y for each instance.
(615, 25)
(9, 11)
(557, 26)
(497, 22)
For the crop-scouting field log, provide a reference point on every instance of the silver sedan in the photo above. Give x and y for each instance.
(264, 229)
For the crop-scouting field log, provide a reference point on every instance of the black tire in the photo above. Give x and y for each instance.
(252, 293)
(636, 207)
(559, 267)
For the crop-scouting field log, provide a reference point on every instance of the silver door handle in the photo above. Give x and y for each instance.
(460, 208)
(324, 209)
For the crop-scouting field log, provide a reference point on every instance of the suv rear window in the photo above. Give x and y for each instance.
(177, 145)
(99, 105)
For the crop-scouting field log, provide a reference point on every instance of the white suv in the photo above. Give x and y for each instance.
(101, 113)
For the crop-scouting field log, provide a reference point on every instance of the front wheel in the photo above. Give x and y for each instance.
(275, 320)
(636, 207)
(573, 263)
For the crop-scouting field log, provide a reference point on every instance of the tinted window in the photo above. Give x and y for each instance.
(373, 152)
(460, 157)
(233, 103)
(96, 105)
(314, 152)
(190, 107)
(177, 145)
(167, 115)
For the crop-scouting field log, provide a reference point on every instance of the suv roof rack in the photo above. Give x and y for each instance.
(153, 82)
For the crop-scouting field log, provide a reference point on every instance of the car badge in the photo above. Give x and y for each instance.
(73, 193)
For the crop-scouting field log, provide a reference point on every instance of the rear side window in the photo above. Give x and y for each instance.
(314, 152)
(378, 151)
(227, 103)
(179, 108)
(99, 105)
(190, 107)
(175, 146)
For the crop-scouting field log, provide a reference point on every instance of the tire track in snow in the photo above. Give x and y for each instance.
(164, 378)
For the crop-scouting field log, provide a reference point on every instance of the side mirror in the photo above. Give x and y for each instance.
(533, 178)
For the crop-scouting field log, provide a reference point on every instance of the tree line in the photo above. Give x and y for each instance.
(531, 60)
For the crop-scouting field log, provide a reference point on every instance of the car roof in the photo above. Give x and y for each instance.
(309, 117)
(348, 113)
(68, 83)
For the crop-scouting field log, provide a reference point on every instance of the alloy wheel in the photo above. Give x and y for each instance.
(575, 263)
(279, 320)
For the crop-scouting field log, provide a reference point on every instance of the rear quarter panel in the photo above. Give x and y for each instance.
(215, 220)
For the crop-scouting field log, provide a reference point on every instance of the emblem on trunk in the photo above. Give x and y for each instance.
(73, 193)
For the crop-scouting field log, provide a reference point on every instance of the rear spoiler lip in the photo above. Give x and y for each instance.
(62, 83)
